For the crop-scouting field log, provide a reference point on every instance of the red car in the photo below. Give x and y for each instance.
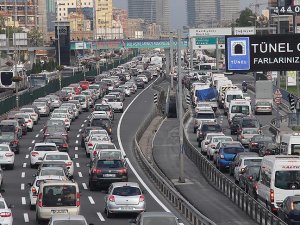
(77, 88)
(84, 85)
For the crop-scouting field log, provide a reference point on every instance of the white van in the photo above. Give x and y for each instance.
(221, 92)
(279, 178)
(231, 94)
(290, 144)
(239, 107)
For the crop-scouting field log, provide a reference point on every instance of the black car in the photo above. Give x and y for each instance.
(258, 141)
(248, 179)
(60, 141)
(269, 148)
(290, 210)
(56, 131)
(102, 123)
(105, 172)
(207, 128)
(139, 83)
(235, 122)
(12, 140)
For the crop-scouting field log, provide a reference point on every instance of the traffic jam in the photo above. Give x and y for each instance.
(54, 194)
(226, 127)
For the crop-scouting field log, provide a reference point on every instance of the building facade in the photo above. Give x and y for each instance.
(191, 12)
(121, 15)
(206, 13)
(103, 17)
(227, 11)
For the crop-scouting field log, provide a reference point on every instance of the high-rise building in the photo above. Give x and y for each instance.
(122, 16)
(227, 11)
(104, 17)
(206, 13)
(191, 12)
(151, 11)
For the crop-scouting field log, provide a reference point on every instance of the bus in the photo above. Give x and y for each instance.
(43, 78)
(6, 76)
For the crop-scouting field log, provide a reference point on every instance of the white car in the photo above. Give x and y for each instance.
(65, 110)
(33, 114)
(62, 157)
(205, 142)
(7, 156)
(144, 78)
(73, 108)
(83, 99)
(6, 217)
(92, 140)
(101, 146)
(28, 120)
(126, 90)
(63, 117)
(243, 162)
(34, 187)
(211, 147)
(38, 152)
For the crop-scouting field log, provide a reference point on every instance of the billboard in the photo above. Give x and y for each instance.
(210, 32)
(280, 52)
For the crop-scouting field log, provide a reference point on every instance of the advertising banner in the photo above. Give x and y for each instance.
(280, 52)
(292, 78)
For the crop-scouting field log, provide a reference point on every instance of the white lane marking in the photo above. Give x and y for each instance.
(79, 174)
(23, 174)
(76, 156)
(41, 130)
(76, 148)
(26, 156)
(85, 121)
(37, 135)
(80, 130)
(23, 201)
(26, 218)
(22, 186)
(84, 186)
(129, 163)
(24, 165)
(78, 135)
(33, 141)
(76, 141)
(100, 216)
(91, 200)
(77, 165)
(82, 125)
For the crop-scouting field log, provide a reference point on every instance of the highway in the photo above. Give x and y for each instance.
(92, 203)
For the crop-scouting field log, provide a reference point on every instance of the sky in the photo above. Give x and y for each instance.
(178, 15)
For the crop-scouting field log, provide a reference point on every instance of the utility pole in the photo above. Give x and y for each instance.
(191, 53)
(171, 61)
(16, 59)
(181, 154)
(58, 46)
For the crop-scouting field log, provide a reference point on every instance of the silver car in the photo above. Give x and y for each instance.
(124, 197)
(165, 218)
(68, 219)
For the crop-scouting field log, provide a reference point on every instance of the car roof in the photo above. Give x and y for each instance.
(45, 144)
(122, 184)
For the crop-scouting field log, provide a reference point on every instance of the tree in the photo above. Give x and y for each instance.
(247, 18)
(35, 37)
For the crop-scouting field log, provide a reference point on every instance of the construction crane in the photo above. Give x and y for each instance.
(256, 6)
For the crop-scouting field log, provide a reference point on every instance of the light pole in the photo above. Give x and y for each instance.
(15, 58)
(171, 60)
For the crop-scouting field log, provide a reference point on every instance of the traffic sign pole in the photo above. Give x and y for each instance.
(277, 100)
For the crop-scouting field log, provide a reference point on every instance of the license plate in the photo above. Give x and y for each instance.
(59, 211)
(109, 175)
(127, 207)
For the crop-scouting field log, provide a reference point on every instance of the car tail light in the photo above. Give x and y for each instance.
(40, 202)
(111, 198)
(66, 120)
(124, 170)
(90, 145)
(109, 130)
(97, 171)
(94, 153)
(33, 190)
(9, 154)
(46, 134)
(222, 156)
(250, 177)
(34, 154)
(77, 199)
(5, 214)
(65, 145)
(29, 121)
(142, 198)
(271, 195)
(255, 186)
(68, 164)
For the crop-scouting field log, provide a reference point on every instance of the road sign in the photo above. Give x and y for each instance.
(209, 42)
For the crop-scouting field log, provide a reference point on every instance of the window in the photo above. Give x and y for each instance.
(57, 157)
(240, 109)
(295, 149)
(265, 177)
(126, 191)
(287, 180)
(59, 195)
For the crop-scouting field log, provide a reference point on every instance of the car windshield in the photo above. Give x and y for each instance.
(244, 109)
(250, 131)
(71, 222)
(57, 157)
(55, 129)
(262, 138)
(221, 139)
(59, 195)
(80, 98)
(250, 162)
(45, 148)
(39, 104)
(233, 150)
(212, 128)
(48, 172)
(287, 180)
(102, 108)
(27, 110)
(105, 146)
(7, 137)
(100, 122)
(159, 221)
(7, 128)
(55, 140)
(205, 116)
(22, 115)
(250, 123)
(264, 104)
(233, 97)
(58, 115)
(110, 155)
(126, 191)
(55, 123)
(110, 164)
(4, 148)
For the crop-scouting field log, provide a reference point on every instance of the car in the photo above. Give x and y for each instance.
(207, 128)
(43, 108)
(124, 197)
(78, 105)
(101, 146)
(243, 162)
(118, 95)
(110, 154)
(54, 122)
(237, 159)
(33, 111)
(63, 117)
(126, 90)
(84, 133)
(61, 157)
(55, 101)
(6, 216)
(93, 139)
(73, 108)
(203, 115)
(104, 172)
(206, 140)
(7, 156)
(102, 123)
(54, 170)
(114, 102)
(226, 153)
(38, 151)
(65, 111)
(211, 146)
(165, 218)
(290, 210)
(246, 134)
(139, 83)
(104, 108)
(263, 107)
(269, 149)
(84, 101)
(235, 122)
(248, 178)
(56, 131)
(258, 141)
(60, 141)
(11, 126)
(22, 124)
(84, 85)
(249, 122)
(144, 78)
(28, 120)
(12, 140)
(34, 187)
(68, 219)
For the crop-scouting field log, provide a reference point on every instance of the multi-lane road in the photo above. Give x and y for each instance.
(92, 203)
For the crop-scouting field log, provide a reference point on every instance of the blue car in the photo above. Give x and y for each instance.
(227, 153)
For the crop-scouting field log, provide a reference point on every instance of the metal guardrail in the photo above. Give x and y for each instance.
(245, 202)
